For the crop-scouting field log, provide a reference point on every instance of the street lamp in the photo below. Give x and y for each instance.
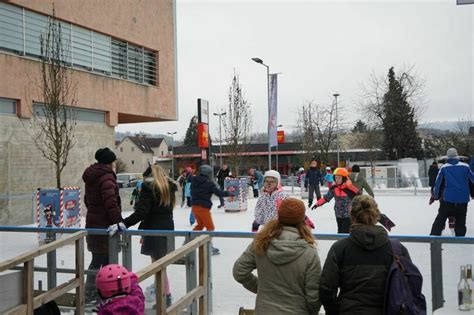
(172, 152)
(260, 61)
(220, 137)
(337, 129)
(279, 126)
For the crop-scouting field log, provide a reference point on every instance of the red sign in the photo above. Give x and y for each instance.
(281, 136)
(203, 135)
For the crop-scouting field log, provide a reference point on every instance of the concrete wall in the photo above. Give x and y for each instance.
(24, 169)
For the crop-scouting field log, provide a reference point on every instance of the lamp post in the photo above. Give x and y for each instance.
(220, 137)
(337, 129)
(260, 61)
(172, 152)
(279, 126)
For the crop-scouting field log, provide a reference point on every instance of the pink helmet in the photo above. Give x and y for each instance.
(112, 280)
(188, 170)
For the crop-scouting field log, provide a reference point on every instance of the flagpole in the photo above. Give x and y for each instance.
(269, 112)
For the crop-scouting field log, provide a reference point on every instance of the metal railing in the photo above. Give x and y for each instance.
(123, 243)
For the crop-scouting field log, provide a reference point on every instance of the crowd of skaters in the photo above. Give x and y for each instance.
(283, 233)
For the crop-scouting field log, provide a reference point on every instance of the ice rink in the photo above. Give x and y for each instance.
(411, 213)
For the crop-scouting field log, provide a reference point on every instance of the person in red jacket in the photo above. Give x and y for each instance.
(103, 204)
(343, 192)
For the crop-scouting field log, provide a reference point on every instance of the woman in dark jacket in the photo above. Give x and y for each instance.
(154, 210)
(358, 265)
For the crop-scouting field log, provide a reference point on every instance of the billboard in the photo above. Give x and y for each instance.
(203, 135)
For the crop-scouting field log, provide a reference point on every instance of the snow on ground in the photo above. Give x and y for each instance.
(411, 213)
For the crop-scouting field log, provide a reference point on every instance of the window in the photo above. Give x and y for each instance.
(80, 114)
(21, 30)
(162, 153)
(133, 162)
(121, 149)
(133, 149)
(7, 106)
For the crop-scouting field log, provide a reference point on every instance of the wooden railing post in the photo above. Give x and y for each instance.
(80, 290)
(28, 281)
(160, 286)
(203, 278)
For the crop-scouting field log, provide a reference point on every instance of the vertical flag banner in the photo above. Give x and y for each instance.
(272, 111)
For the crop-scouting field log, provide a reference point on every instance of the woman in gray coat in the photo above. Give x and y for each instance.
(287, 264)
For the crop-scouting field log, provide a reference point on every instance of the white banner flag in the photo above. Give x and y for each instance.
(272, 111)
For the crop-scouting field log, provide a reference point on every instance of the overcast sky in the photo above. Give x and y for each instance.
(320, 47)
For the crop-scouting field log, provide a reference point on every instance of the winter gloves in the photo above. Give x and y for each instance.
(114, 228)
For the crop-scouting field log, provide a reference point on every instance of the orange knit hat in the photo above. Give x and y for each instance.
(291, 211)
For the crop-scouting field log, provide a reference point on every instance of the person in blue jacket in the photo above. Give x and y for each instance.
(312, 181)
(454, 198)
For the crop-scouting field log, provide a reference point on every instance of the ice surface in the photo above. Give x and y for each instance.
(411, 213)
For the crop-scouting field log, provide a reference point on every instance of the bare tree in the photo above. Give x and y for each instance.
(317, 126)
(121, 166)
(237, 125)
(436, 144)
(53, 120)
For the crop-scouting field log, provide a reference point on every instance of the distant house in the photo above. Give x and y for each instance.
(137, 152)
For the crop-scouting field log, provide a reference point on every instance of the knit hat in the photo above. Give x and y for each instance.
(291, 211)
(105, 156)
(205, 170)
(355, 168)
(274, 174)
(452, 153)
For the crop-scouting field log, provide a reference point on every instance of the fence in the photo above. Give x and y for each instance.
(124, 244)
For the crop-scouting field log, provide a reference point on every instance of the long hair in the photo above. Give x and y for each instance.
(273, 229)
(160, 186)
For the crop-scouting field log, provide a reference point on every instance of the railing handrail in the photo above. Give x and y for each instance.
(171, 258)
(232, 234)
(43, 249)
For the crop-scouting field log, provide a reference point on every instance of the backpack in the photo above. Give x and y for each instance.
(403, 294)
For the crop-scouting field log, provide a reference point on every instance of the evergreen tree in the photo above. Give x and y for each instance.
(190, 139)
(359, 126)
(399, 126)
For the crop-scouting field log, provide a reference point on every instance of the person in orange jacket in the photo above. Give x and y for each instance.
(343, 192)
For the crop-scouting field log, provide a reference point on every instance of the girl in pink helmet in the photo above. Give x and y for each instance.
(119, 290)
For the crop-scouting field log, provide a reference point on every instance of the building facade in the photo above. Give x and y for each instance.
(123, 62)
(139, 151)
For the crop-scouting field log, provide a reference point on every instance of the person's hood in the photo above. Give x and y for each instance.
(313, 167)
(369, 237)
(199, 180)
(95, 171)
(354, 177)
(452, 161)
(433, 166)
(287, 247)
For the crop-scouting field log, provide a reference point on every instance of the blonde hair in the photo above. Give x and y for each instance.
(160, 186)
(273, 229)
(364, 210)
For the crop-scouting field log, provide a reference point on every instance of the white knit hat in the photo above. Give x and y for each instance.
(274, 174)
(452, 153)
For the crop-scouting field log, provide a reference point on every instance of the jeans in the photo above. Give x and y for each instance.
(221, 199)
(313, 189)
(343, 225)
(98, 260)
(448, 209)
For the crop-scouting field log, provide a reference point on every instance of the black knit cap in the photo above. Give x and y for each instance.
(355, 168)
(105, 156)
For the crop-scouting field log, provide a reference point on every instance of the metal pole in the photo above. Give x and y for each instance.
(276, 157)
(337, 130)
(220, 141)
(268, 96)
(436, 275)
(172, 156)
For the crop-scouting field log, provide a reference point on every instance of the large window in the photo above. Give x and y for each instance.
(7, 106)
(80, 114)
(20, 32)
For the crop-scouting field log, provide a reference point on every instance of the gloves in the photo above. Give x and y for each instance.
(114, 228)
(314, 206)
(431, 200)
(131, 202)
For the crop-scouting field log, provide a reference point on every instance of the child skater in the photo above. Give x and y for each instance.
(343, 192)
(119, 291)
(269, 201)
(202, 188)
